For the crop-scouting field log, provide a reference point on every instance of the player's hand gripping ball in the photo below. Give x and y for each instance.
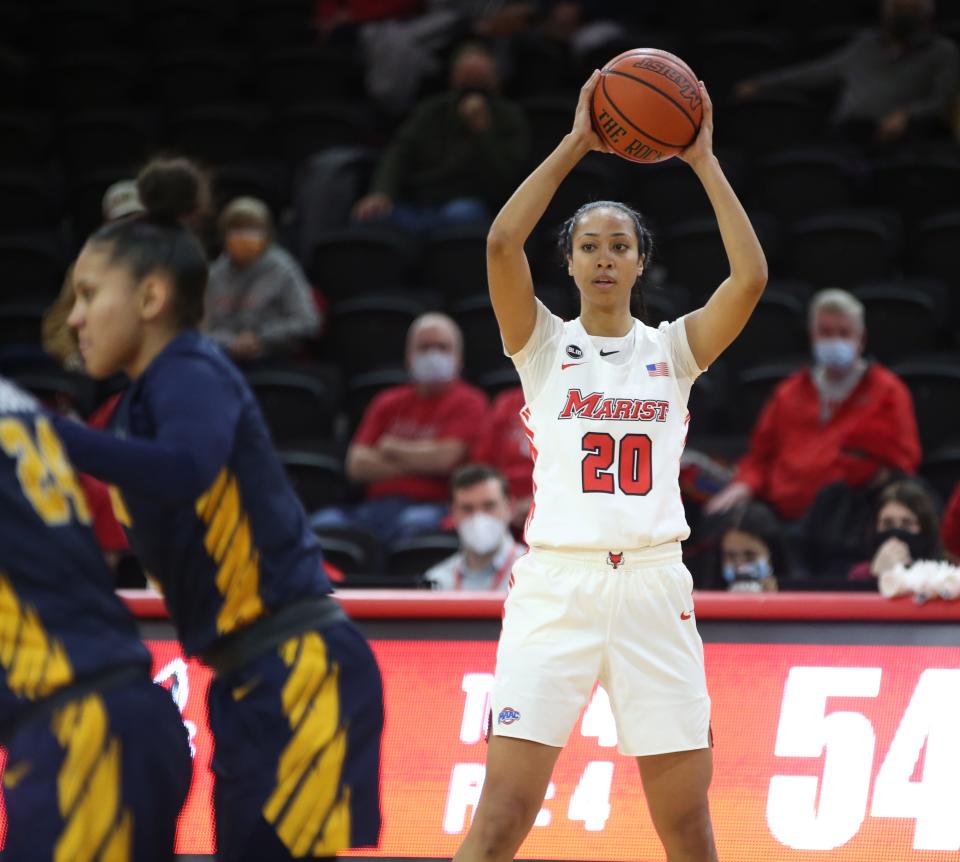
(647, 105)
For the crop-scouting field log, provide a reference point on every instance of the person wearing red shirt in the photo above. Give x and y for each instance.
(504, 445)
(950, 525)
(412, 437)
(837, 421)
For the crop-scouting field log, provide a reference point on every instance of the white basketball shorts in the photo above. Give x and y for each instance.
(625, 619)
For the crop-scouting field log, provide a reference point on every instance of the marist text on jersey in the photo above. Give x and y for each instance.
(597, 405)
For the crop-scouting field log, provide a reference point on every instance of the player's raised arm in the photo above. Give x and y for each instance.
(508, 273)
(711, 329)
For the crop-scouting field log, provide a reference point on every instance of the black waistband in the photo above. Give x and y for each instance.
(269, 632)
(108, 680)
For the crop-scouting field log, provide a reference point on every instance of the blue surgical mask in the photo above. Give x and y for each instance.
(757, 571)
(838, 354)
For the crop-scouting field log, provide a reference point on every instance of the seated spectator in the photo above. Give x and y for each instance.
(906, 529)
(259, 303)
(480, 507)
(897, 80)
(412, 437)
(504, 445)
(839, 420)
(752, 554)
(457, 157)
(950, 528)
(120, 200)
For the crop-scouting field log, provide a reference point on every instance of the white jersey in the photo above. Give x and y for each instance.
(607, 421)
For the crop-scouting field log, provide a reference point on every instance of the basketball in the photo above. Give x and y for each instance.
(647, 105)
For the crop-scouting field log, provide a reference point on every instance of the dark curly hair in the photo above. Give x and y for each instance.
(170, 190)
(644, 241)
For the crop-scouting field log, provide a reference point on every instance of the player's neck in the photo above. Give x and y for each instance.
(153, 343)
(607, 323)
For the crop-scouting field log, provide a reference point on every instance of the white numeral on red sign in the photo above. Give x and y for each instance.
(598, 720)
(476, 706)
(793, 815)
(934, 800)
(591, 800)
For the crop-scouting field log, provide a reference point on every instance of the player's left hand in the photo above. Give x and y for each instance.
(702, 147)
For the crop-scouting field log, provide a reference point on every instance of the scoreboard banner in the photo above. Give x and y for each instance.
(841, 752)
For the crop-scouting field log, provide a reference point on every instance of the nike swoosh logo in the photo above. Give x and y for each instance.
(15, 774)
(567, 365)
(241, 691)
(609, 352)
(684, 615)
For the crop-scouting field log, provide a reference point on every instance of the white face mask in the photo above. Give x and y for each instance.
(481, 533)
(433, 366)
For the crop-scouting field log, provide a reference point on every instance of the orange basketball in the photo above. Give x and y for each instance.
(647, 105)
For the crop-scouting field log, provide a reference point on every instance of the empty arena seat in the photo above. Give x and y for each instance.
(935, 387)
(370, 332)
(298, 406)
(412, 557)
(843, 249)
(318, 478)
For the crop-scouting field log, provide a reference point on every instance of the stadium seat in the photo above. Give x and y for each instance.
(25, 138)
(941, 468)
(85, 199)
(588, 181)
(31, 270)
(752, 387)
(843, 249)
(353, 550)
(497, 381)
(770, 122)
(317, 477)
(668, 192)
(370, 332)
(29, 201)
(361, 389)
(101, 138)
(708, 402)
(302, 130)
(20, 328)
(218, 134)
(296, 75)
(171, 25)
(299, 406)
(358, 260)
(95, 80)
(935, 386)
(918, 187)
(549, 118)
(776, 331)
(482, 345)
(933, 251)
(279, 22)
(201, 77)
(414, 556)
(901, 321)
(801, 183)
(264, 179)
(724, 57)
(453, 261)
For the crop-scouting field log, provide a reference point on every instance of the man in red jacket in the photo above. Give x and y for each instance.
(837, 421)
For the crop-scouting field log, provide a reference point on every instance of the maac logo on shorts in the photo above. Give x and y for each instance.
(508, 715)
(615, 560)
(574, 352)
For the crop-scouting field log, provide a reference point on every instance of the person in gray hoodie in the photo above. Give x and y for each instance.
(259, 303)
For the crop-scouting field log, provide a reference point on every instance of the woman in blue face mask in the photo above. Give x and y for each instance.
(907, 529)
(752, 554)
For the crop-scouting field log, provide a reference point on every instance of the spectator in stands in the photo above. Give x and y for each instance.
(259, 303)
(906, 529)
(480, 506)
(752, 554)
(950, 528)
(839, 420)
(504, 445)
(120, 200)
(457, 156)
(412, 437)
(897, 80)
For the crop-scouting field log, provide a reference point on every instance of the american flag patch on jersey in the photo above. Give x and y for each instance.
(658, 369)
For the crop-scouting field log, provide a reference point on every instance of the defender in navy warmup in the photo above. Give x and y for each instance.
(296, 705)
(97, 758)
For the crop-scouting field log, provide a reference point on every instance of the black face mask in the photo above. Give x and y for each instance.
(904, 26)
(915, 542)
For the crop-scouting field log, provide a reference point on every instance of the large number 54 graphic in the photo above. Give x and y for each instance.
(634, 474)
(45, 475)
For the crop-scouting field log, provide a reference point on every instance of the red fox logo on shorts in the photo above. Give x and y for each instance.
(615, 560)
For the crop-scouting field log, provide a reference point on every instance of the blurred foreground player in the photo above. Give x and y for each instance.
(296, 705)
(98, 764)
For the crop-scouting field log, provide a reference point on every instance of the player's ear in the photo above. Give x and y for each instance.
(156, 296)
(569, 266)
(641, 263)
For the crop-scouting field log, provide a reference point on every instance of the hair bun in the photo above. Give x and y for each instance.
(171, 189)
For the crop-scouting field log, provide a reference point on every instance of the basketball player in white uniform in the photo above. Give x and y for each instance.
(603, 593)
